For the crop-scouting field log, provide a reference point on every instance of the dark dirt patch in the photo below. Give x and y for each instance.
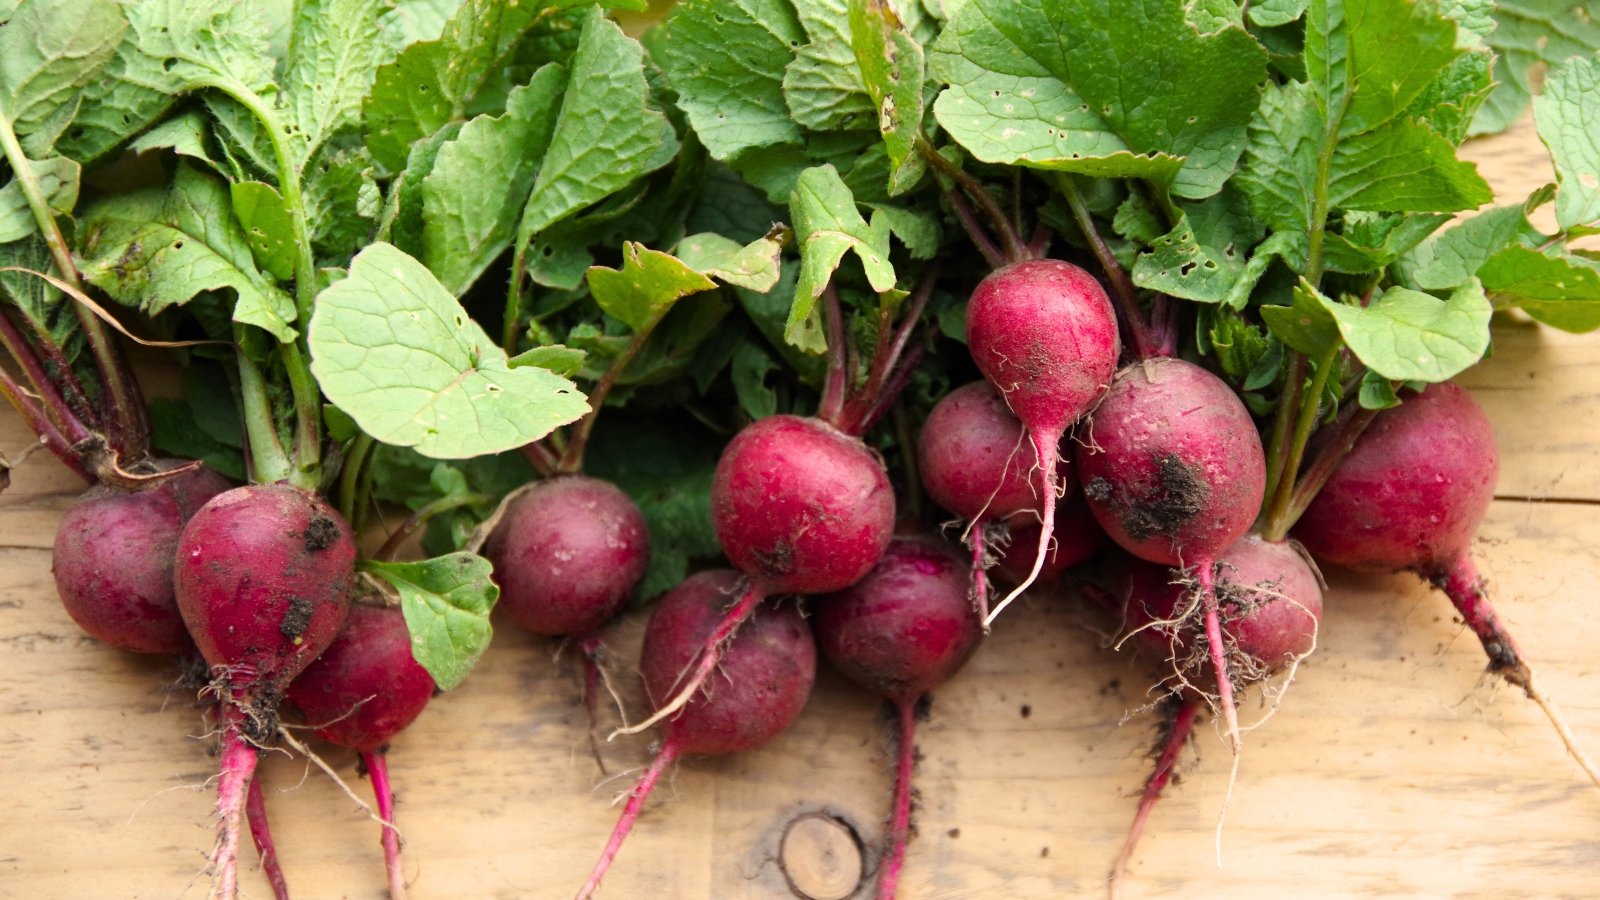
(296, 618)
(776, 562)
(1180, 494)
(1097, 489)
(321, 533)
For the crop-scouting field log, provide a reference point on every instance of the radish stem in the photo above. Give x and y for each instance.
(630, 814)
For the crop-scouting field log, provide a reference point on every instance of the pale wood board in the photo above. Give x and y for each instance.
(1392, 768)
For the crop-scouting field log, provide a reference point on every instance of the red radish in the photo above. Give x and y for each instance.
(1077, 538)
(567, 553)
(361, 692)
(1409, 497)
(799, 507)
(1042, 331)
(901, 631)
(974, 461)
(1173, 469)
(764, 677)
(113, 561)
(262, 580)
(1269, 608)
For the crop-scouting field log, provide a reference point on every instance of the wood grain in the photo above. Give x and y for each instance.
(1391, 769)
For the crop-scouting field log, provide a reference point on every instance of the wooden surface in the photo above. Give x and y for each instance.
(1392, 768)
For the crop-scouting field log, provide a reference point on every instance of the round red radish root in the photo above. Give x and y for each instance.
(263, 581)
(1076, 538)
(1269, 602)
(906, 627)
(1171, 464)
(974, 459)
(1413, 489)
(801, 507)
(113, 561)
(567, 554)
(366, 687)
(1044, 334)
(762, 681)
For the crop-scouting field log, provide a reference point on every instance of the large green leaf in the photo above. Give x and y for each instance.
(1099, 87)
(1568, 116)
(48, 51)
(1531, 35)
(827, 226)
(393, 349)
(1406, 335)
(333, 55)
(446, 602)
(1561, 291)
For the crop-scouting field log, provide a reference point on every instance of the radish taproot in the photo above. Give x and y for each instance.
(900, 632)
(361, 692)
(1269, 611)
(262, 578)
(766, 670)
(113, 561)
(1043, 332)
(1410, 496)
(1173, 469)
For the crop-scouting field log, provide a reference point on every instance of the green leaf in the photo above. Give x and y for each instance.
(1098, 87)
(1403, 167)
(45, 307)
(48, 51)
(408, 22)
(606, 134)
(333, 56)
(726, 59)
(1305, 327)
(1560, 291)
(1279, 173)
(754, 265)
(185, 44)
(1407, 335)
(1450, 258)
(405, 195)
(563, 361)
(476, 185)
(1532, 35)
(433, 83)
(1137, 219)
(1371, 241)
(1179, 265)
(267, 226)
(184, 135)
(1273, 13)
(391, 347)
(892, 70)
(827, 226)
(823, 85)
(749, 370)
(342, 203)
(1369, 59)
(1377, 392)
(1568, 116)
(1237, 345)
(446, 601)
(646, 286)
(58, 180)
(154, 248)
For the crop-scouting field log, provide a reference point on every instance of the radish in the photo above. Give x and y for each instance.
(1043, 332)
(1409, 497)
(262, 579)
(113, 561)
(1269, 609)
(765, 675)
(900, 632)
(973, 461)
(361, 692)
(1173, 470)
(567, 553)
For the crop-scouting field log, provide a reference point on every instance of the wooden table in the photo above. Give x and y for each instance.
(1392, 769)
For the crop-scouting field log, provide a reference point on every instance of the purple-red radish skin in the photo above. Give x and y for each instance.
(800, 506)
(567, 554)
(974, 459)
(113, 561)
(900, 632)
(366, 687)
(1171, 463)
(764, 678)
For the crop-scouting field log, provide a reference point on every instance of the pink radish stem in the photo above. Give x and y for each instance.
(377, 766)
(238, 767)
(1219, 654)
(255, 810)
(900, 825)
(980, 578)
(1177, 736)
(591, 647)
(1459, 579)
(630, 814)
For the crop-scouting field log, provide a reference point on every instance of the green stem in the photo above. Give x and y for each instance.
(571, 461)
(128, 427)
(1327, 461)
(509, 332)
(308, 420)
(1277, 520)
(350, 476)
(268, 461)
(416, 520)
(1144, 344)
(1010, 240)
(1283, 420)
